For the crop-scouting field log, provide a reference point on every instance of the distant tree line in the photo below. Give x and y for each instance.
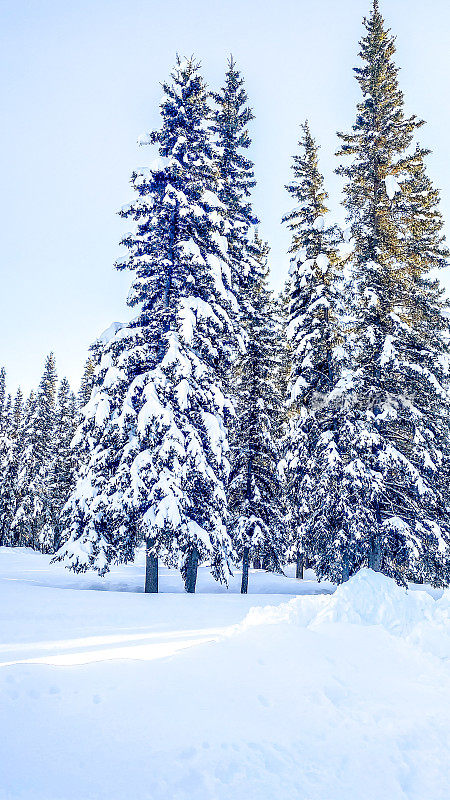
(36, 461)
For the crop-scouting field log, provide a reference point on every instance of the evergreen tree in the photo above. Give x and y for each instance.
(398, 420)
(33, 511)
(7, 453)
(255, 496)
(314, 348)
(62, 468)
(155, 425)
(19, 527)
(2, 397)
(10, 458)
(12, 469)
(247, 257)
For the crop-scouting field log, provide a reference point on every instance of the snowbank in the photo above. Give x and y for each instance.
(370, 598)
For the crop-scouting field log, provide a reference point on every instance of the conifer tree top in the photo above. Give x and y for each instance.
(230, 124)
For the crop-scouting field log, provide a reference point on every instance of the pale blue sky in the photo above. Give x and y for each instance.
(81, 80)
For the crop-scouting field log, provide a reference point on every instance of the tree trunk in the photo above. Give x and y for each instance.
(299, 566)
(375, 557)
(151, 571)
(57, 539)
(345, 570)
(245, 565)
(190, 571)
(256, 563)
(374, 561)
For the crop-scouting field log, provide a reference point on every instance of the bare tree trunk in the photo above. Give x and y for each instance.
(345, 570)
(151, 570)
(57, 539)
(375, 555)
(299, 566)
(374, 560)
(245, 565)
(190, 571)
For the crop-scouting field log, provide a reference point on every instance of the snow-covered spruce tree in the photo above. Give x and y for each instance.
(157, 465)
(61, 470)
(6, 462)
(313, 347)
(255, 495)
(247, 258)
(18, 525)
(97, 526)
(398, 418)
(2, 396)
(17, 438)
(11, 448)
(33, 510)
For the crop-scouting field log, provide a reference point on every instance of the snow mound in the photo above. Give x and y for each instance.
(370, 598)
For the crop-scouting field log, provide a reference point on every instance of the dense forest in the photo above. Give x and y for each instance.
(224, 425)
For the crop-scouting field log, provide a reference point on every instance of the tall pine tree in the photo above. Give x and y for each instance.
(313, 332)
(398, 419)
(7, 462)
(157, 465)
(254, 496)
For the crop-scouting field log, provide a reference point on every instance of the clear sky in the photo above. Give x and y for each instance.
(80, 81)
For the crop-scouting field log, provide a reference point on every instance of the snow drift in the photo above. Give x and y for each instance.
(113, 694)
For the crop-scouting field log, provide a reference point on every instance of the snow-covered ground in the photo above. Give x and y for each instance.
(291, 693)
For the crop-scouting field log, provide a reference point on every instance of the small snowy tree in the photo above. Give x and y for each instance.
(61, 470)
(19, 527)
(8, 456)
(157, 464)
(2, 397)
(314, 351)
(255, 495)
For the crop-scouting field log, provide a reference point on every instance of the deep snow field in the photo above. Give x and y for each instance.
(295, 692)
